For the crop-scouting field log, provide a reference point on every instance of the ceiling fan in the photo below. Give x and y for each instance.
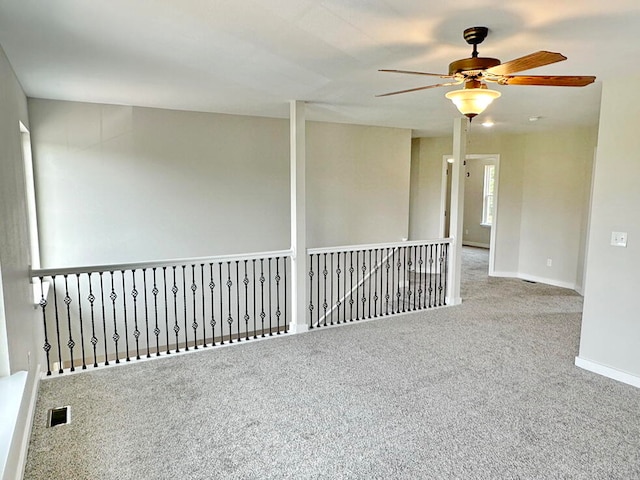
(475, 71)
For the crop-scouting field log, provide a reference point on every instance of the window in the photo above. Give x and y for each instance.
(488, 204)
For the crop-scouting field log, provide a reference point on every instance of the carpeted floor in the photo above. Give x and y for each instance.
(484, 390)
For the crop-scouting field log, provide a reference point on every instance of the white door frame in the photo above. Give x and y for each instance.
(443, 203)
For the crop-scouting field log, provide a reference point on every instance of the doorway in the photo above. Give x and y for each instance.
(482, 173)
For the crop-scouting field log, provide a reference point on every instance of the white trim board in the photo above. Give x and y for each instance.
(608, 372)
(533, 278)
(18, 389)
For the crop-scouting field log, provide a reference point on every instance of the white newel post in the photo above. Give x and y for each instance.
(298, 217)
(457, 209)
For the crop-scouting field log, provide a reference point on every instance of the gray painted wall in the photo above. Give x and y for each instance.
(126, 184)
(611, 318)
(544, 190)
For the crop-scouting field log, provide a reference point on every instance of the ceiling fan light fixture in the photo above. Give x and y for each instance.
(472, 101)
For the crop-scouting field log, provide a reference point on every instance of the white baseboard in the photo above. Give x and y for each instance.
(298, 328)
(533, 278)
(475, 244)
(608, 372)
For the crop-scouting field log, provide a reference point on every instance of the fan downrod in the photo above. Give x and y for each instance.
(473, 36)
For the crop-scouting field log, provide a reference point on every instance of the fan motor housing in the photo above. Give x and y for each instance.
(472, 63)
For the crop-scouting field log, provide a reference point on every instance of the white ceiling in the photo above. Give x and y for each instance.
(253, 56)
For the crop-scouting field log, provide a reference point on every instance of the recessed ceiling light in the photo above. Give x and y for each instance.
(488, 124)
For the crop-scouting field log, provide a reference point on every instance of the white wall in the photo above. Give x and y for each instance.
(611, 319)
(544, 186)
(18, 316)
(125, 184)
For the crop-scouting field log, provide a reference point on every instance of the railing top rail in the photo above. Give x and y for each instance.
(372, 246)
(48, 272)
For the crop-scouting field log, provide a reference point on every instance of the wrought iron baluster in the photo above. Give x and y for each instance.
(380, 273)
(212, 286)
(126, 326)
(407, 273)
(363, 299)
(104, 320)
(229, 305)
(146, 310)
(393, 279)
(194, 289)
(331, 291)
(278, 312)
(446, 270)
(262, 279)
(286, 330)
(222, 322)
(399, 265)
(156, 330)
(84, 363)
(430, 289)
(357, 285)
(270, 298)
(136, 332)
(116, 336)
(375, 282)
(204, 314)
(238, 300)
(404, 279)
(70, 343)
(43, 305)
(255, 300)
(166, 307)
(324, 289)
(420, 274)
(364, 278)
(387, 266)
(311, 274)
(351, 270)
(338, 302)
(437, 279)
(318, 290)
(416, 276)
(344, 295)
(55, 306)
(174, 290)
(184, 308)
(246, 301)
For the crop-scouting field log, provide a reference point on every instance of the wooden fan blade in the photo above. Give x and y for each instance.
(547, 80)
(441, 75)
(533, 60)
(420, 88)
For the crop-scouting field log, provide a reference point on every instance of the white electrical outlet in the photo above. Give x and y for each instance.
(619, 239)
(549, 262)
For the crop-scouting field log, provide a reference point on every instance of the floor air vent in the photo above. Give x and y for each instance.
(59, 416)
